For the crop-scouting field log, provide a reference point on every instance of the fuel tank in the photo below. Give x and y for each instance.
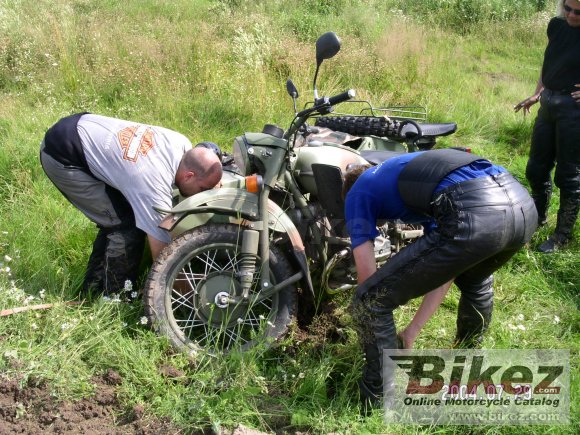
(322, 153)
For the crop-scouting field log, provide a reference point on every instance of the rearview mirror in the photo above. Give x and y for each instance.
(292, 91)
(326, 47)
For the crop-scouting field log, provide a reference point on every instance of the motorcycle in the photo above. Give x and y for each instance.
(231, 276)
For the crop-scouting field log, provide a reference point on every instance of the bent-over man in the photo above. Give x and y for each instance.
(476, 217)
(115, 172)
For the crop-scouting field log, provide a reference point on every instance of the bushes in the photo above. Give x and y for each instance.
(462, 15)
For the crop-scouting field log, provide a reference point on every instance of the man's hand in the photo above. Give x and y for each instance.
(527, 103)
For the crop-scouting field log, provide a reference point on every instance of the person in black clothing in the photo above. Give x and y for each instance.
(476, 217)
(556, 133)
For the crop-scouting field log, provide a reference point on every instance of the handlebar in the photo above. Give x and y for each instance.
(340, 98)
(327, 102)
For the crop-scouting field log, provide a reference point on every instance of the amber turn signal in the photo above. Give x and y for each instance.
(254, 183)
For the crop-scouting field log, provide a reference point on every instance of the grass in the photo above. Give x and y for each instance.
(213, 70)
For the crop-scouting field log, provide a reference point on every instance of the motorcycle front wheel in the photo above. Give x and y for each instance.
(195, 274)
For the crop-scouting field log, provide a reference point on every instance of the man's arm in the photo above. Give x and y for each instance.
(364, 259)
(155, 245)
(429, 305)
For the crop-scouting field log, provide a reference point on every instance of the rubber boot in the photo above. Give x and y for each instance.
(567, 215)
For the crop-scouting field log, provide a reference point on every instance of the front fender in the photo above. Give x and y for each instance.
(231, 205)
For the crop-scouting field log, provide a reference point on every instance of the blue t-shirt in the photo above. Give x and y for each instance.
(375, 196)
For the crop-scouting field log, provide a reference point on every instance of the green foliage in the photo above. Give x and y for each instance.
(464, 15)
(213, 70)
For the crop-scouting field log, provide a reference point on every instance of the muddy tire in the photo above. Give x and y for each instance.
(183, 290)
(360, 125)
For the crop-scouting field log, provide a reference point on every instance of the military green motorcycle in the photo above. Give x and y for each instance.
(230, 277)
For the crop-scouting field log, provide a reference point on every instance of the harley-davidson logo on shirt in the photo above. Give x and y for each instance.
(135, 140)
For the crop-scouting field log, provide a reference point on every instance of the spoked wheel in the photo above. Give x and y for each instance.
(193, 293)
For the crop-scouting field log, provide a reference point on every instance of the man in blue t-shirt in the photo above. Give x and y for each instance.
(476, 217)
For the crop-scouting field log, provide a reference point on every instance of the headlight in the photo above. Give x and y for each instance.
(241, 158)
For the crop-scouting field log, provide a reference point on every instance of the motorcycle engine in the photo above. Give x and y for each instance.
(302, 224)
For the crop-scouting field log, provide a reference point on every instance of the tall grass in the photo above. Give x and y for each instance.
(213, 70)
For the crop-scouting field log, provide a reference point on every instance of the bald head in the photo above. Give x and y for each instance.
(200, 169)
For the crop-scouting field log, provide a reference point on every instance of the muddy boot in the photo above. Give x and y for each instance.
(95, 274)
(565, 226)
(372, 385)
(122, 258)
(371, 397)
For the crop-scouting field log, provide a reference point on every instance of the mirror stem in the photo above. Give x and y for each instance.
(314, 84)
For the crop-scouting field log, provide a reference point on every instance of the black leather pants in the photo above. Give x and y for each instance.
(556, 142)
(481, 223)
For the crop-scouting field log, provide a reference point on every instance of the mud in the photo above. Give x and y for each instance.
(32, 409)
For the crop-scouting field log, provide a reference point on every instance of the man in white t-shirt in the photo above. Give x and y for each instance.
(115, 172)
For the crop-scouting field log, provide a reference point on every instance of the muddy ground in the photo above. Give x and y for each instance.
(33, 410)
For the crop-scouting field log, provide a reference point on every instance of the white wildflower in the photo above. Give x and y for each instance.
(520, 317)
(11, 354)
(124, 324)
(28, 299)
(7, 259)
(41, 293)
(134, 295)
(128, 286)
(512, 327)
(522, 327)
(106, 298)
(143, 320)
(262, 317)
(7, 270)
(270, 324)
(556, 320)
(301, 375)
(34, 326)
(65, 326)
(240, 320)
(116, 298)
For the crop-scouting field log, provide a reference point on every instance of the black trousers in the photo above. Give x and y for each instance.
(481, 224)
(556, 142)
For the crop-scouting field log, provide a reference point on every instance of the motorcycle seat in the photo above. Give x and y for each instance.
(376, 157)
(431, 129)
